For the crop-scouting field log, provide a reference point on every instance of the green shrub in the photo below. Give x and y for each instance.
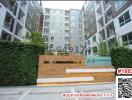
(18, 63)
(121, 57)
(103, 49)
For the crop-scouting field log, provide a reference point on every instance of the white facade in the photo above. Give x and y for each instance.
(13, 19)
(57, 29)
(109, 28)
(126, 28)
(61, 30)
(105, 23)
(75, 30)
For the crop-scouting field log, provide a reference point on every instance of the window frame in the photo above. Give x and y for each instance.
(121, 4)
(128, 41)
(124, 20)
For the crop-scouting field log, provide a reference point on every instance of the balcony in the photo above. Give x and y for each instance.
(8, 22)
(66, 47)
(112, 43)
(21, 16)
(11, 5)
(67, 35)
(46, 25)
(23, 4)
(106, 4)
(47, 18)
(47, 11)
(108, 15)
(19, 31)
(102, 35)
(100, 23)
(110, 30)
(5, 36)
(46, 39)
(97, 4)
(67, 13)
(67, 31)
(67, 27)
(46, 31)
(99, 11)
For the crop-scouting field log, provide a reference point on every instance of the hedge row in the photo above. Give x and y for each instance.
(18, 63)
(121, 58)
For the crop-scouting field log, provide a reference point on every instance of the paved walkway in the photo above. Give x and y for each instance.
(55, 92)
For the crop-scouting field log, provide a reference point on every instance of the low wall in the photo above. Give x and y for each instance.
(98, 61)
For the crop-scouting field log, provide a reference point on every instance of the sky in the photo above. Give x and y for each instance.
(65, 5)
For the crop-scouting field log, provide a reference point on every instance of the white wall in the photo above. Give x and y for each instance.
(57, 28)
(126, 28)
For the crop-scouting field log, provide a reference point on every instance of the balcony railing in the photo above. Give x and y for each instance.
(9, 22)
(110, 32)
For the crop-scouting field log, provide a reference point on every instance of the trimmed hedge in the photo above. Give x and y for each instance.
(121, 58)
(18, 63)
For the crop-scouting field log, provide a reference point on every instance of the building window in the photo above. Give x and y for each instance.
(47, 11)
(85, 45)
(67, 13)
(125, 18)
(112, 43)
(88, 42)
(94, 38)
(51, 45)
(52, 38)
(127, 39)
(94, 50)
(119, 3)
(47, 18)
(46, 24)
(46, 39)
(5, 36)
(46, 31)
(89, 51)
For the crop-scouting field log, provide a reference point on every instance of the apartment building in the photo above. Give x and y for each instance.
(89, 28)
(61, 30)
(56, 29)
(41, 24)
(12, 19)
(75, 30)
(113, 23)
(18, 18)
(122, 12)
(33, 16)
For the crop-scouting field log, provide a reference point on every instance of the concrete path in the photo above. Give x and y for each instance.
(55, 92)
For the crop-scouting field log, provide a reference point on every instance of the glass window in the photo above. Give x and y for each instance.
(130, 38)
(5, 36)
(119, 3)
(125, 18)
(51, 45)
(94, 50)
(88, 42)
(47, 11)
(52, 38)
(85, 44)
(46, 31)
(94, 38)
(127, 39)
(46, 39)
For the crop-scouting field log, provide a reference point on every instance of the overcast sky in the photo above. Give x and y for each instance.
(66, 5)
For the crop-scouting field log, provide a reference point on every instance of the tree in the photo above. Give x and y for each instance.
(36, 38)
(103, 49)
